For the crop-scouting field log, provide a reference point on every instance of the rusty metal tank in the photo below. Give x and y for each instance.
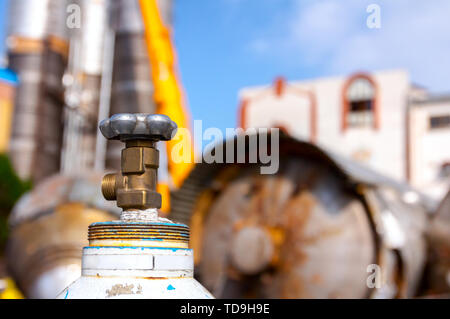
(132, 88)
(438, 234)
(48, 228)
(318, 228)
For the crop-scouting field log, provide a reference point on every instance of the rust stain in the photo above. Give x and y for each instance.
(298, 211)
(317, 279)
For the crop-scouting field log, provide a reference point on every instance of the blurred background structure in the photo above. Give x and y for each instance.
(37, 52)
(364, 156)
(380, 119)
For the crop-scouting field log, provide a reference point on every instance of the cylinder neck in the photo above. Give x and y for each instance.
(152, 250)
(142, 262)
(140, 244)
(138, 234)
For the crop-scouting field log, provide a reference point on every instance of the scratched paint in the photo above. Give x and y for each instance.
(120, 289)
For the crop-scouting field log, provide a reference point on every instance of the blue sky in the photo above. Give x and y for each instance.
(224, 45)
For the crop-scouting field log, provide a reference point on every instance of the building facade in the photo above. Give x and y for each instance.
(430, 144)
(379, 119)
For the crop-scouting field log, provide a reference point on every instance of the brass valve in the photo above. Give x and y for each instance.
(135, 186)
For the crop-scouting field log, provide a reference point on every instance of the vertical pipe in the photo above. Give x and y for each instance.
(105, 97)
(85, 89)
(37, 53)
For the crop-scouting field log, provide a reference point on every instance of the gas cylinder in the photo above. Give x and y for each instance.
(142, 255)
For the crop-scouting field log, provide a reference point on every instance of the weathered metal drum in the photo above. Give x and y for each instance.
(438, 234)
(49, 230)
(321, 227)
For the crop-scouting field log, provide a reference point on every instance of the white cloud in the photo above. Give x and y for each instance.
(332, 35)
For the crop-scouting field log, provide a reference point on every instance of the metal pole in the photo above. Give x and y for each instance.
(105, 97)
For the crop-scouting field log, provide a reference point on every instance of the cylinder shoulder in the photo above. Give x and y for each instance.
(135, 288)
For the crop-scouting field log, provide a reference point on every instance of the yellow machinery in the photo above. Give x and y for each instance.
(8, 289)
(168, 96)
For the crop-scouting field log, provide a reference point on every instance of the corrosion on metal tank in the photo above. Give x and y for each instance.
(438, 233)
(310, 231)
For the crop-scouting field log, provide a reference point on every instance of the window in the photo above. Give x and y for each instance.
(360, 99)
(442, 121)
(444, 171)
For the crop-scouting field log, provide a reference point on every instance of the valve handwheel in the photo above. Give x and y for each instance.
(135, 186)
